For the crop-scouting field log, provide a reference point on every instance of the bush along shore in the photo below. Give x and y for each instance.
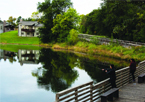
(112, 50)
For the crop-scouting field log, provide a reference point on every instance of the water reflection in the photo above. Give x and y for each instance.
(93, 68)
(28, 56)
(58, 68)
(7, 55)
(56, 73)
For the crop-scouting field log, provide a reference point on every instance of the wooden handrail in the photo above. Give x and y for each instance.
(92, 92)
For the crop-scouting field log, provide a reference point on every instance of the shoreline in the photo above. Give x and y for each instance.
(86, 50)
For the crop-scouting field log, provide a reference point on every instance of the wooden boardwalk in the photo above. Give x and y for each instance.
(132, 92)
(89, 92)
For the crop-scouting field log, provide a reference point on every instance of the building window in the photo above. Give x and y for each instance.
(37, 33)
(28, 33)
(22, 27)
(22, 33)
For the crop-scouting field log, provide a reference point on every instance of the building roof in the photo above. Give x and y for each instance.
(31, 23)
(39, 25)
(8, 25)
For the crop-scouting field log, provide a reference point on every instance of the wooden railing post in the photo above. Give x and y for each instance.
(128, 77)
(57, 98)
(121, 78)
(76, 93)
(91, 92)
(103, 88)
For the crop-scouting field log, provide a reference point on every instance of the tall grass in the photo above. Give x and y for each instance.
(115, 50)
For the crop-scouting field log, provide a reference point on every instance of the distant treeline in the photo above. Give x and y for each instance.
(121, 19)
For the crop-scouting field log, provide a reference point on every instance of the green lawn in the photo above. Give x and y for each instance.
(12, 37)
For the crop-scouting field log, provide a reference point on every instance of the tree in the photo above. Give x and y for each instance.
(62, 24)
(35, 15)
(83, 19)
(27, 19)
(11, 20)
(18, 20)
(72, 38)
(1, 20)
(117, 19)
(50, 9)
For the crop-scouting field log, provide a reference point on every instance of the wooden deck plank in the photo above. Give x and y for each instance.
(133, 92)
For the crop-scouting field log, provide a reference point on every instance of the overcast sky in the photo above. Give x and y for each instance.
(24, 8)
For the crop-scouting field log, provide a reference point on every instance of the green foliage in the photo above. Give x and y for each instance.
(92, 46)
(50, 9)
(72, 37)
(11, 20)
(95, 40)
(18, 20)
(1, 21)
(117, 49)
(27, 19)
(82, 44)
(82, 23)
(120, 19)
(139, 49)
(35, 15)
(64, 23)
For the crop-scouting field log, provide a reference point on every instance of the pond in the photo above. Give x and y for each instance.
(37, 75)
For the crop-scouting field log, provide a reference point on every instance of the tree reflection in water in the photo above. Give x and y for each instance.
(93, 68)
(7, 55)
(55, 73)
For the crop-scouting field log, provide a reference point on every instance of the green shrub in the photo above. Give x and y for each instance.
(92, 46)
(72, 38)
(94, 40)
(82, 44)
(139, 49)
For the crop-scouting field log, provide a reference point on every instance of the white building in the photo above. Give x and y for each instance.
(1, 27)
(29, 28)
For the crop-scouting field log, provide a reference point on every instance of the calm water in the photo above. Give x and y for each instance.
(36, 75)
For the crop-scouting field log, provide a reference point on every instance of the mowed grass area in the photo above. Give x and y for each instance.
(13, 38)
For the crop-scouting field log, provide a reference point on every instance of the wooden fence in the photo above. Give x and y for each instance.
(90, 92)
(108, 40)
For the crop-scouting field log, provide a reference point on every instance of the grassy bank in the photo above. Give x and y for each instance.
(116, 51)
(13, 38)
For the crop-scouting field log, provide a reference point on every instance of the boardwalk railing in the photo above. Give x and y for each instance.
(90, 92)
(88, 37)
